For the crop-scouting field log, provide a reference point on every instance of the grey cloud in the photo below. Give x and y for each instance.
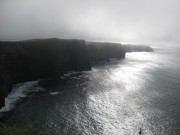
(108, 20)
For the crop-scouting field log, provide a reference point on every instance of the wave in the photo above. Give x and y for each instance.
(75, 72)
(55, 93)
(19, 91)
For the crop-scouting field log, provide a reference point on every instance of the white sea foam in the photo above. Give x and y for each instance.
(18, 92)
(75, 72)
(55, 93)
(71, 73)
(76, 77)
(113, 59)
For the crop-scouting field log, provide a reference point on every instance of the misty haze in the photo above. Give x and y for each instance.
(89, 67)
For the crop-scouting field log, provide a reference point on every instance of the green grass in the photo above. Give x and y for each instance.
(13, 130)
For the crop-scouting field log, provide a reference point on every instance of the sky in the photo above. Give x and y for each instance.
(128, 21)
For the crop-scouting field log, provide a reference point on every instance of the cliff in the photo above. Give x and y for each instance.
(36, 59)
(137, 48)
(49, 58)
(100, 51)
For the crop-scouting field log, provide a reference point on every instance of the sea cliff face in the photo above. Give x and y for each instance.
(49, 58)
(101, 51)
(137, 48)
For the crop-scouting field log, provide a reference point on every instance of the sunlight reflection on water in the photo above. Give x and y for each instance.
(116, 108)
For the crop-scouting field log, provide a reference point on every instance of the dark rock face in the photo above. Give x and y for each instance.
(5, 80)
(100, 51)
(137, 48)
(49, 58)
(5, 86)
(37, 59)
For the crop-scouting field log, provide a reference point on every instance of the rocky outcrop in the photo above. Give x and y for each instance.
(49, 58)
(100, 51)
(137, 48)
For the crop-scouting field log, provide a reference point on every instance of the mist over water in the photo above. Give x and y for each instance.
(116, 97)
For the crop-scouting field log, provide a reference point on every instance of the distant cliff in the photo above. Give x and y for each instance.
(49, 58)
(137, 48)
(100, 51)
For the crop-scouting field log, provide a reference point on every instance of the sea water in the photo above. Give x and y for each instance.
(115, 98)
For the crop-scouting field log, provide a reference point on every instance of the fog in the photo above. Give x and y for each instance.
(128, 21)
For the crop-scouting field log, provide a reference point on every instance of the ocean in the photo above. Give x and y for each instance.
(118, 97)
